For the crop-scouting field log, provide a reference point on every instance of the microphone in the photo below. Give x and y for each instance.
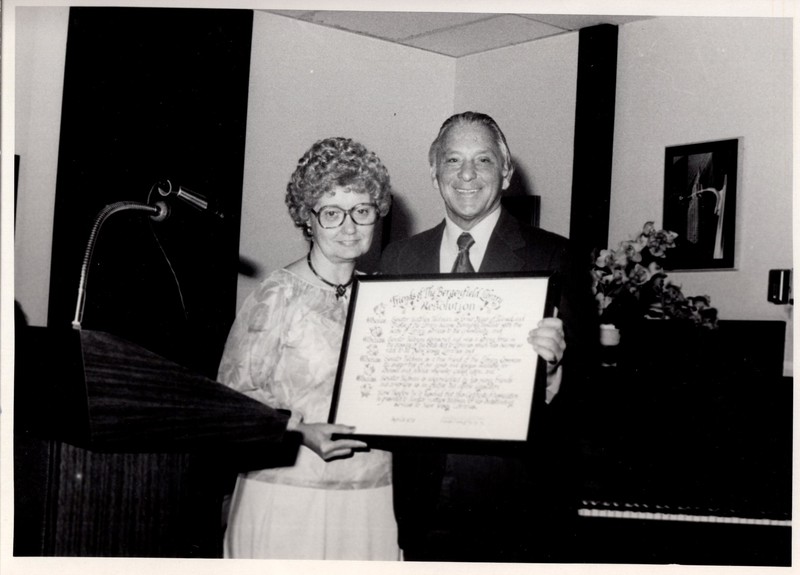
(194, 199)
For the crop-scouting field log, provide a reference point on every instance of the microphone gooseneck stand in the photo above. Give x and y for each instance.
(159, 213)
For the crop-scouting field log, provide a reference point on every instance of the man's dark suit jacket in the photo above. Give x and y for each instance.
(464, 507)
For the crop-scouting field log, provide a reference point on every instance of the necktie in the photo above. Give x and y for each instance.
(462, 263)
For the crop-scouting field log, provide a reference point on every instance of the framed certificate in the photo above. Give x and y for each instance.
(443, 361)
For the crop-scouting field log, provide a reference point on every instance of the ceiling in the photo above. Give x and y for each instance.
(453, 34)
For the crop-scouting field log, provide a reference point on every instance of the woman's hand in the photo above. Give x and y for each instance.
(548, 341)
(317, 437)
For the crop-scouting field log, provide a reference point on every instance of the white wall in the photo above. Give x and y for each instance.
(309, 82)
(687, 80)
(679, 80)
(41, 39)
(530, 90)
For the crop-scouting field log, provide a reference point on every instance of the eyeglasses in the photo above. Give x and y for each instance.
(333, 216)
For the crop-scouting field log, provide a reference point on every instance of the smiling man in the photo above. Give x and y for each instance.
(470, 170)
(488, 507)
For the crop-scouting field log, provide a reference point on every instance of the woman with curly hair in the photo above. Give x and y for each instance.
(335, 501)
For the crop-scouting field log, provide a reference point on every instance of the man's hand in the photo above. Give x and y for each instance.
(548, 341)
(317, 437)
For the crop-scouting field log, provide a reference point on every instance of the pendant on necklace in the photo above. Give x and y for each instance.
(341, 289)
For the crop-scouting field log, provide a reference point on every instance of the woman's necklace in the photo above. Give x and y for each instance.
(341, 289)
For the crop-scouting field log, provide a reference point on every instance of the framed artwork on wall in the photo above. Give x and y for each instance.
(700, 182)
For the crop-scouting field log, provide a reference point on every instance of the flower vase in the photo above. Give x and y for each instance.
(609, 344)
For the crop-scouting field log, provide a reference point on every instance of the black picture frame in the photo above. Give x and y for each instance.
(700, 189)
(410, 372)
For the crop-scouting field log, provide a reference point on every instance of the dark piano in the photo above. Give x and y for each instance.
(687, 450)
(656, 512)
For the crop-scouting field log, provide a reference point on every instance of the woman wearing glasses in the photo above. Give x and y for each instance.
(335, 501)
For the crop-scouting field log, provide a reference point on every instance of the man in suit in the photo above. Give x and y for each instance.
(493, 507)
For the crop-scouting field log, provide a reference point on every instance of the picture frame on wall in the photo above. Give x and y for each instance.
(700, 187)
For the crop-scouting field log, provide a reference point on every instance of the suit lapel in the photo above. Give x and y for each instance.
(428, 262)
(505, 243)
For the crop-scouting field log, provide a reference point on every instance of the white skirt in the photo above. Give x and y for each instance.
(276, 521)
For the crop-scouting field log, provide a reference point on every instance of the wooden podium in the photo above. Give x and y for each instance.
(117, 450)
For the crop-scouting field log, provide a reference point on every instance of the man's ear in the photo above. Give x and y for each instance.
(434, 178)
(507, 177)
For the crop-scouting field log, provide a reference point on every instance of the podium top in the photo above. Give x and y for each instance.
(101, 392)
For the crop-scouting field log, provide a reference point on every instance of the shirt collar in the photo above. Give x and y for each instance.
(480, 232)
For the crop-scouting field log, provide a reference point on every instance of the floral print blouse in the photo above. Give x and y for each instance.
(283, 350)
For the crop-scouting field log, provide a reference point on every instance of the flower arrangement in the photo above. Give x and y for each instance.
(629, 283)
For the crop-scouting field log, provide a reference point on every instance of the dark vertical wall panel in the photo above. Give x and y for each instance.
(594, 136)
(153, 93)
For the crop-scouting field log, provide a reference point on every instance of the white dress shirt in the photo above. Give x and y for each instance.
(481, 233)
